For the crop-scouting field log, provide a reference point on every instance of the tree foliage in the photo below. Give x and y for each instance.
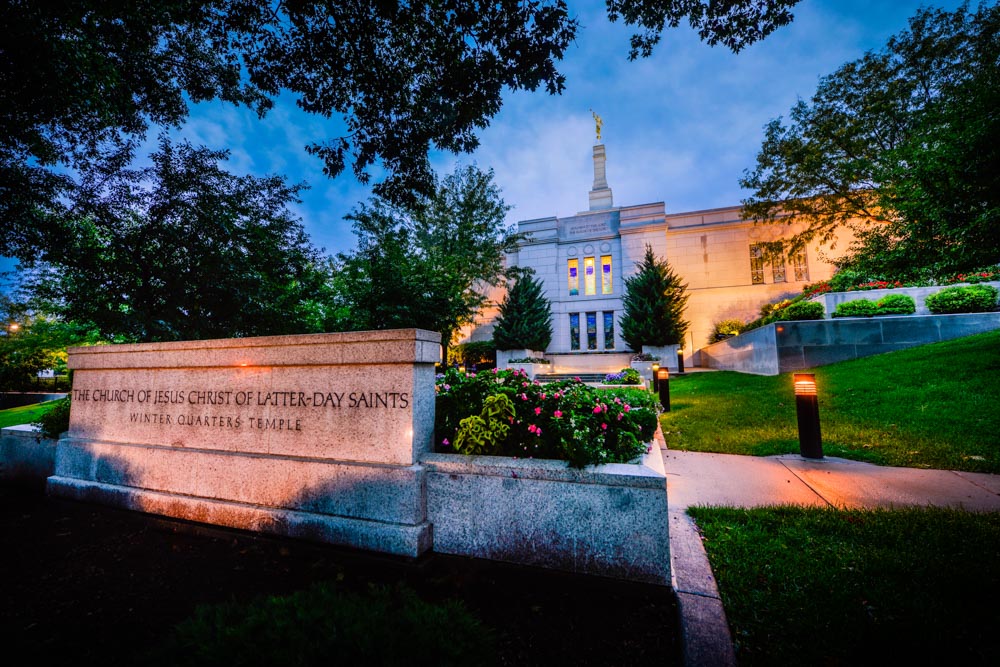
(427, 265)
(38, 342)
(654, 304)
(181, 250)
(83, 81)
(525, 320)
(902, 146)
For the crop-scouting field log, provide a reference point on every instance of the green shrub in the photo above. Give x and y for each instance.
(476, 353)
(565, 420)
(896, 304)
(324, 625)
(530, 360)
(725, 328)
(845, 279)
(802, 310)
(856, 308)
(971, 299)
(55, 422)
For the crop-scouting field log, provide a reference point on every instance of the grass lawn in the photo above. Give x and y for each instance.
(805, 586)
(933, 406)
(24, 414)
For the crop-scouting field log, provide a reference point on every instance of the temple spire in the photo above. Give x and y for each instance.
(600, 194)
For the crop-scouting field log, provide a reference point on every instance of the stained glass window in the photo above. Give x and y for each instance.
(609, 330)
(606, 274)
(591, 331)
(589, 277)
(798, 262)
(756, 264)
(778, 269)
(574, 331)
(574, 277)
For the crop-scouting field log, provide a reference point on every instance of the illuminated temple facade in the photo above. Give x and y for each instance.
(583, 259)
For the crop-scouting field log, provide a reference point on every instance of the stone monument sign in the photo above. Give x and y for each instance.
(313, 436)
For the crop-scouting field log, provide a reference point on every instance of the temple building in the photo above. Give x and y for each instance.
(582, 261)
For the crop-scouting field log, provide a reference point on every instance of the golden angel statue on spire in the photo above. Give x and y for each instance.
(599, 122)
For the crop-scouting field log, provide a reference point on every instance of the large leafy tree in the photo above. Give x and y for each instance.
(525, 320)
(902, 146)
(426, 265)
(181, 250)
(80, 82)
(653, 304)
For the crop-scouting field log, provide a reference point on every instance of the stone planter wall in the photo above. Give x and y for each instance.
(504, 357)
(531, 369)
(608, 520)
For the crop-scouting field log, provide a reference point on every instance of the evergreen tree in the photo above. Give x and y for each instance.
(525, 320)
(654, 305)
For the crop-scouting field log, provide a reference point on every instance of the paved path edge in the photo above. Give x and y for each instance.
(704, 629)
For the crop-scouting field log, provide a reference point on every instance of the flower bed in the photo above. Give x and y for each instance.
(505, 413)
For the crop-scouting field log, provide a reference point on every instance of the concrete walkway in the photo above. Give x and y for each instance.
(747, 481)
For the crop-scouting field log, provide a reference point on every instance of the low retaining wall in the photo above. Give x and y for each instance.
(608, 520)
(790, 346)
(17, 399)
(831, 300)
(25, 456)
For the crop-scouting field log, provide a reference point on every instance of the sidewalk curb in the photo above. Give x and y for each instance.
(705, 636)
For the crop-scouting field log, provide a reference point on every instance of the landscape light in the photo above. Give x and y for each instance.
(13, 327)
(461, 368)
(807, 412)
(656, 370)
(663, 379)
(680, 360)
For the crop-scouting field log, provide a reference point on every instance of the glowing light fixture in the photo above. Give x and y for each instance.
(663, 379)
(807, 413)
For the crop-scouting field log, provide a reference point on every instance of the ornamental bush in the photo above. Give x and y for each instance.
(896, 304)
(565, 420)
(856, 308)
(624, 376)
(971, 299)
(801, 310)
(725, 328)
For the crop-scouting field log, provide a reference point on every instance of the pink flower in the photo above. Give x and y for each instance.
(597, 409)
(536, 382)
(604, 426)
(627, 407)
(538, 411)
(619, 416)
(543, 397)
(494, 371)
(524, 397)
(445, 442)
(557, 414)
(524, 384)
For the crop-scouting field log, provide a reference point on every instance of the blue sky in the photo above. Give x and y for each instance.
(679, 127)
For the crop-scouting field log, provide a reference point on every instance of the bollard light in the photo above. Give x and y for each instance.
(663, 379)
(680, 361)
(656, 369)
(807, 412)
(461, 369)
